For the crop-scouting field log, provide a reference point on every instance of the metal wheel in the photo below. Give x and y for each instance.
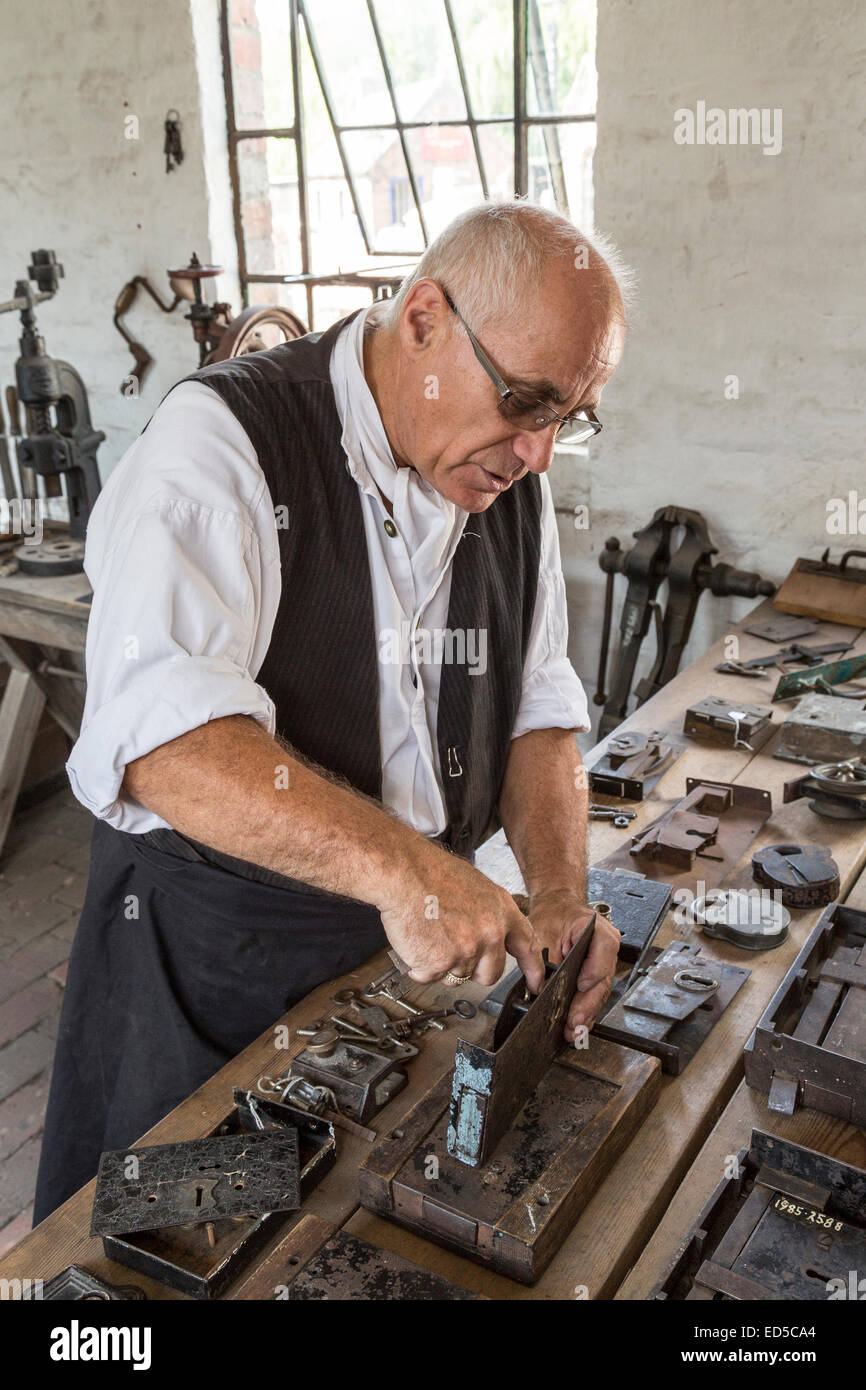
(256, 329)
(845, 779)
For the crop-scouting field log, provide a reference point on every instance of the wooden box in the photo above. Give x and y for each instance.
(514, 1212)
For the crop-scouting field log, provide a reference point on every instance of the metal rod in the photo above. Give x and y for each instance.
(301, 158)
(461, 72)
(332, 117)
(401, 129)
(545, 94)
(234, 172)
(521, 157)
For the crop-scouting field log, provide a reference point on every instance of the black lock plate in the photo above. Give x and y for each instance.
(146, 1189)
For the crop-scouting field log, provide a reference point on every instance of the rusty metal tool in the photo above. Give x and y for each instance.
(491, 1085)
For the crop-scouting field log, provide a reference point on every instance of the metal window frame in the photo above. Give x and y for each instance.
(528, 55)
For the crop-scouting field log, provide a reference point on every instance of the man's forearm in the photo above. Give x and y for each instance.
(229, 785)
(543, 808)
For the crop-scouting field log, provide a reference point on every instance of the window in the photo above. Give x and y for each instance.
(359, 128)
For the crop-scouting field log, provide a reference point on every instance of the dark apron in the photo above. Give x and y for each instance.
(158, 1002)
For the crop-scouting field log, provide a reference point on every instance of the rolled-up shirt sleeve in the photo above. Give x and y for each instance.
(553, 696)
(173, 635)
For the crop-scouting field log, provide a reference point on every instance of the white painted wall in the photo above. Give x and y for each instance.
(70, 180)
(748, 264)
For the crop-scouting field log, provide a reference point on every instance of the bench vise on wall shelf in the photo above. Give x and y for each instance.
(689, 570)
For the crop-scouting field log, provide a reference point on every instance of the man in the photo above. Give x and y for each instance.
(327, 650)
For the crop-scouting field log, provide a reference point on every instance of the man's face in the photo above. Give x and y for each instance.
(444, 417)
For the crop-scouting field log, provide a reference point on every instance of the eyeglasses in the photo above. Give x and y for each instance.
(529, 412)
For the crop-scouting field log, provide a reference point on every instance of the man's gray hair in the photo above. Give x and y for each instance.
(492, 258)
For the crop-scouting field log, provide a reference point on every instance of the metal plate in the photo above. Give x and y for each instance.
(782, 627)
(638, 906)
(147, 1189)
(490, 1087)
(347, 1267)
(663, 1017)
(795, 1250)
(747, 810)
(788, 1220)
(796, 683)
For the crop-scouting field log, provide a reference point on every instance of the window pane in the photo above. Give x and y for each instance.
(445, 167)
(269, 205)
(350, 58)
(421, 58)
(560, 57)
(485, 29)
(261, 63)
(497, 151)
(289, 296)
(560, 160)
(382, 182)
(333, 302)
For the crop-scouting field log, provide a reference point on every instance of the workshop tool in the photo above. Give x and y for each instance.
(809, 1047)
(64, 447)
(729, 725)
(75, 1283)
(838, 790)
(631, 764)
(704, 832)
(800, 876)
(823, 680)
(834, 591)
(743, 917)
(671, 1007)
(688, 570)
(491, 1085)
(789, 1224)
(317, 1262)
(794, 654)
(513, 1213)
(781, 627)
(621, 819)
(219, 335)
(823, 729)
(195, 1181)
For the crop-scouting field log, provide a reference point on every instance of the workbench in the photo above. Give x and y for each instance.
(652, 1194)
(43, 623)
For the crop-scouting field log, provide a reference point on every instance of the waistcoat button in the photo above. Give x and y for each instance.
(390, 527)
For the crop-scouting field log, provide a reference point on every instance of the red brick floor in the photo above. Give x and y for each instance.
(43, 872)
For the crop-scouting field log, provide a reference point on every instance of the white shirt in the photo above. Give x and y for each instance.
(183, 557)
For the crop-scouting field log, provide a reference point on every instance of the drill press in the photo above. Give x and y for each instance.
(52, 448)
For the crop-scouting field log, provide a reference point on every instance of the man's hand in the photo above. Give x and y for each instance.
(558, 918)
(446, 916)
